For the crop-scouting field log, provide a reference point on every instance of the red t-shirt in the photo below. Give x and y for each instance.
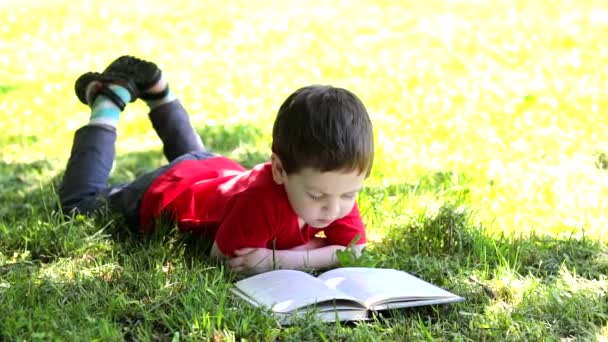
(238, 208)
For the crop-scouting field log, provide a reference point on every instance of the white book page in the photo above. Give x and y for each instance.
(408, 304)
(380, 285)
(287, 290)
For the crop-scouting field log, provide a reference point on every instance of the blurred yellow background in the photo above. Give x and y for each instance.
(508, 96)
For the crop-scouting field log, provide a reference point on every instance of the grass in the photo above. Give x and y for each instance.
(490, 176)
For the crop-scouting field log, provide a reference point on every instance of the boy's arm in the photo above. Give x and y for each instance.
(216, 254)
(314, 243)
(258, 260)
(313, 258)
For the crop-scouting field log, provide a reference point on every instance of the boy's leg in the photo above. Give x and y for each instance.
(88, 168)
(172, 124)
(93, 149)
(169, 118)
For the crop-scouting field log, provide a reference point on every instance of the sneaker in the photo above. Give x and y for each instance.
(143, 73)
(82, 84)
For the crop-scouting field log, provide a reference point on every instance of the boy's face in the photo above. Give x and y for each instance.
(319, 198)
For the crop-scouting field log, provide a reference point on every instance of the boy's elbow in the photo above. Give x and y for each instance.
(216, 253)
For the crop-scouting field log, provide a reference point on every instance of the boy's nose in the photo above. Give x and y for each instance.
(332, 209)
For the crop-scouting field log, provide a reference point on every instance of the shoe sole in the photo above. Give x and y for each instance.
(143, 73)
(81, 84)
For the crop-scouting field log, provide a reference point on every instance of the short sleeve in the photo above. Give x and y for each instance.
(343, 231)
(247, 223)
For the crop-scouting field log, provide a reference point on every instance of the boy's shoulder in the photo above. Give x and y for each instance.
(256, 190)
(257, 183)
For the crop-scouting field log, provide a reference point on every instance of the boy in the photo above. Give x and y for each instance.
(262, 218)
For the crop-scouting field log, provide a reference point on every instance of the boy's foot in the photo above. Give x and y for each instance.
(146, 76)
(92, 84)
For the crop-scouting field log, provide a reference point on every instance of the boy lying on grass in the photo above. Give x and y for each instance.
(262, 218)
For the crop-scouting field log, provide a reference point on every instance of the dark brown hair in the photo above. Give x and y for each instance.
(324, 128)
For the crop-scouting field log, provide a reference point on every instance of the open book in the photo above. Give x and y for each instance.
(342, 294)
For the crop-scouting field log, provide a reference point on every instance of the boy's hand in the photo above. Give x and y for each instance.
(257, 260)
(251, 260)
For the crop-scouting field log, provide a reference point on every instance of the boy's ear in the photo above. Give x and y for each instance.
(278, 172)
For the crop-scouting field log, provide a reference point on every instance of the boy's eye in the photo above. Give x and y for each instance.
(315, 197)
(349, 196)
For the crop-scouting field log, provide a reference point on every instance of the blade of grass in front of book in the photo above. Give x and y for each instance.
(328, 315)
(287, 290)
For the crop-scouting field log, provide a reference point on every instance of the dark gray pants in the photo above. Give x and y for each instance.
(84, 186)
